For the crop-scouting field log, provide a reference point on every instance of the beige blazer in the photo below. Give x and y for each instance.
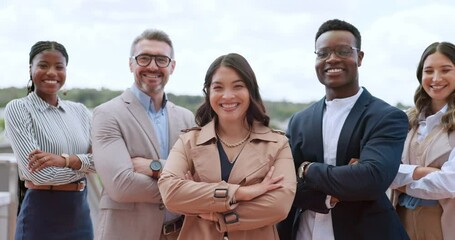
(130, 205)
(437, 149)
(196, 151)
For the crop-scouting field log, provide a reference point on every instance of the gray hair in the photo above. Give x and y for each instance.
(153, 34)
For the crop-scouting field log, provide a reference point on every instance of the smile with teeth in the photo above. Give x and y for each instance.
(437, 87)
(229, 105)
(151, 75)
(332, 70)
(51, 81)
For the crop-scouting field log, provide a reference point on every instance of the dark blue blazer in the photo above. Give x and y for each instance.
(373, 132)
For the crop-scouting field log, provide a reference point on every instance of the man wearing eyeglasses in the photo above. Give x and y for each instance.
(132, 135)
(347, 149)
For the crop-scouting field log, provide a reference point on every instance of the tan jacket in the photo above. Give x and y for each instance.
(438, 146)
(197, 152)
(130, 205)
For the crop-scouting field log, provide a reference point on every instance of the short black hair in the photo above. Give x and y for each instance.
(336, 24)
(42, 46)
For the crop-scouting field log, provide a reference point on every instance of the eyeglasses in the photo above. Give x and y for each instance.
(342, 51)
(144, 60)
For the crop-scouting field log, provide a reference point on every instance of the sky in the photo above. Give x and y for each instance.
(276, 37)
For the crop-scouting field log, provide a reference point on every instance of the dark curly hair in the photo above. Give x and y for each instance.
(336, 24)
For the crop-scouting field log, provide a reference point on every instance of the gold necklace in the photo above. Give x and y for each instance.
(235, 144)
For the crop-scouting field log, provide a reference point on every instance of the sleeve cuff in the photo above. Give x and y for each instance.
(85, 162)
(327, 202)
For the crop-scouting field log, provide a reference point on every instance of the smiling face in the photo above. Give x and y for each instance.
(48, 72)
(151, 79)
(438, 79)
(338, 74)
(229, 95)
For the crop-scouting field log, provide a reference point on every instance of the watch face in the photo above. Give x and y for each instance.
(155, 165)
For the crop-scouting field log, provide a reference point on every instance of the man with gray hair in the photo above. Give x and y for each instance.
(132, 135)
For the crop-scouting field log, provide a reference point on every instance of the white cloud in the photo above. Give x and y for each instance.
(277, 38)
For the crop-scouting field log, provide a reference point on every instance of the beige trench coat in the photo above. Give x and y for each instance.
(197, 151)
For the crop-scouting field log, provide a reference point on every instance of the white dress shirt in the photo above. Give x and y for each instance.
(313, 225)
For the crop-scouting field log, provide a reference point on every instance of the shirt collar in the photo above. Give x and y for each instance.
(439, 113)
(43, 105)
(344, 101)
(145, 99)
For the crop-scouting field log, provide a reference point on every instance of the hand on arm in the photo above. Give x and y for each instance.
(142, 165)
(246, 193)
(39, 160)
(334, 200)
(420, 172)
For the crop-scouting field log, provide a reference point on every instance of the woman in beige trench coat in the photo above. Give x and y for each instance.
(233, 177)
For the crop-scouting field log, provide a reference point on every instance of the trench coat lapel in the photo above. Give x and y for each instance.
(251, 158)
(206, 157)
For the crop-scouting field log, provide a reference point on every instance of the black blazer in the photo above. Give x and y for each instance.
(373, 132)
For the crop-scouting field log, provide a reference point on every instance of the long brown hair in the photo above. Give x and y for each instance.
(256, 110)
(421, 98)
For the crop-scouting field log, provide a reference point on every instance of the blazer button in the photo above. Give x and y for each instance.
(161, 206)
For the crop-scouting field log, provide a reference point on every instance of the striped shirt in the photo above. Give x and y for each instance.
(31, 123)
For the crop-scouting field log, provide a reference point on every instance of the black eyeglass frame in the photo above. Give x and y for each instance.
(336, 51)
(152, 57)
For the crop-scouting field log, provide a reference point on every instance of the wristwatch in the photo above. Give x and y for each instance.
(67, 159)
(301, 170)
(156, 167)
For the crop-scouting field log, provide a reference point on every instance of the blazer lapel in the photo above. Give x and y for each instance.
(140, 115)
(174, 131)
(316, 129)
(349, 126)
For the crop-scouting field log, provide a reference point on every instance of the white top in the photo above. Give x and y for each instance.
(31, 123)
(436, 185)
(313, 225)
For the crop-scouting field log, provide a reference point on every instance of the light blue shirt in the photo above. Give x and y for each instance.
(159, 119)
